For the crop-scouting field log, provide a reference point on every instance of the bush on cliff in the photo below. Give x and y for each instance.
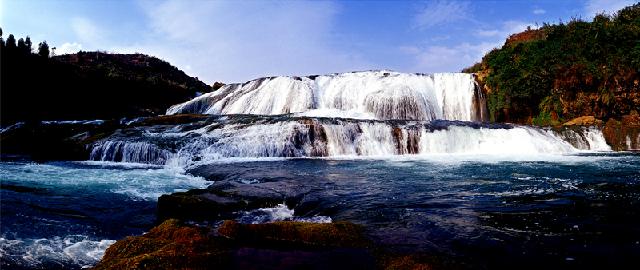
(566, 70)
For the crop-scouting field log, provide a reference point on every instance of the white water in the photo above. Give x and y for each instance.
(338, 138)
(278, 213)
(589, 138)
(363, 95)
(136, 182)
(44, 252)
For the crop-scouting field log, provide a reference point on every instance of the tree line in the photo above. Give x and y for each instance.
(38, 85)
(22, 46)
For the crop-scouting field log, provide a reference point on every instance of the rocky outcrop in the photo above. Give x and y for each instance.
(171, 245)
(223, 198)
(44, 141)
(279, 245)
(562, 71)
(338, 234)
(623, 134)
(584, 121)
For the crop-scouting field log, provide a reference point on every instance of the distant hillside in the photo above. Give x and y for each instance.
(87, 85)
(559, 72)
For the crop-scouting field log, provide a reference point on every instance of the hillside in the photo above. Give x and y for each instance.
(87, 85)
(559, 72)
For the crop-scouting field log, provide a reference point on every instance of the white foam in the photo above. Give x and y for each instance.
(68, 250)
(381, 94)
(139, 183)
(596, 140)
(278, 213)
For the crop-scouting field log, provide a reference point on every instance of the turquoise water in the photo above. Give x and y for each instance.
(65, 214)
(576, 211)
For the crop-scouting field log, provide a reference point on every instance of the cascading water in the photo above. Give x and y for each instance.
(378, 95)
(584, 138)
(237, 136)
(371, 113)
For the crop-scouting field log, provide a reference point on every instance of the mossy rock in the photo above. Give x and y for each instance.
(623, 135)
(337, 234)
(170, 245)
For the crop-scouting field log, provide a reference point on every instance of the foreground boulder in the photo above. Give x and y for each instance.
(279, 245)
(170, 245)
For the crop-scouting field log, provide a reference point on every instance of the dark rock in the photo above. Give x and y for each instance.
(223, 198)
(337, 234)
(44, 141)
(624, 134)
(280, 245)
(217, 85)
(170, 245)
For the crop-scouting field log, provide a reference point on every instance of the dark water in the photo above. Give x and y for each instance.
(563, 212)
(64, 215)
(570, 212)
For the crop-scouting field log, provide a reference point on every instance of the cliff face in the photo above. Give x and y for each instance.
(559, 72)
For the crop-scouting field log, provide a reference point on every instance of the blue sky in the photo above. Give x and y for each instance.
(234, 41)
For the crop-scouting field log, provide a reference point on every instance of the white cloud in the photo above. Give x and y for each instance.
(449, 58)
(441, 12)
(68, 48)
(487, 33)
(453, 58)
(506, 29)
(594, 7)
(539, 11)
(238, 41)
(86, 31)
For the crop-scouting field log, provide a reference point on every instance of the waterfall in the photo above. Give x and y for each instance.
(378, 95)
(371, 113)
(584, 138)
(129, 151)
(245, 136)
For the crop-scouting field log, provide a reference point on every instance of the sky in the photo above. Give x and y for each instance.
(235, 41)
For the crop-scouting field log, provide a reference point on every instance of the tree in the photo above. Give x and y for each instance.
(27, 42)
(43, 49)
(22, 48)
(11, 42)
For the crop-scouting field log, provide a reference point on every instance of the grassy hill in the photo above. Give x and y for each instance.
(558, 72)
(88, 85)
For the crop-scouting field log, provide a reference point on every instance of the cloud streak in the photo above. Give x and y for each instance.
(440, 12)
(453, 58)
(237, 41)
(594, 7)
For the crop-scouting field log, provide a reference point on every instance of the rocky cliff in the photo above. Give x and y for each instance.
(553, 74)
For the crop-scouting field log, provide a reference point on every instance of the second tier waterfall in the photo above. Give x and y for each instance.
(378, 95)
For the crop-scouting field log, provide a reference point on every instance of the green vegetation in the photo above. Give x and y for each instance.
(87, 85)
(558, 72)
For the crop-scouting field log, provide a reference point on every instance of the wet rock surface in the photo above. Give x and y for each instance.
(228, 195)
(280, 245)
(624, 134)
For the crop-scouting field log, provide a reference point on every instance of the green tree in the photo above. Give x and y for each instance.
(43, 49)
(22, 47)
(28, 44)
(11, 42)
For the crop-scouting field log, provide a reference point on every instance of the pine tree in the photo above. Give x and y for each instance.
(22, 48)
(43, 49)
(11, 42)
(27, 42)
